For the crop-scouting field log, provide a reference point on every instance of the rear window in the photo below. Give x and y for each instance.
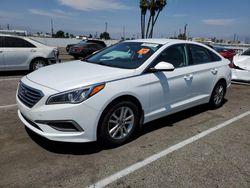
(247, 52)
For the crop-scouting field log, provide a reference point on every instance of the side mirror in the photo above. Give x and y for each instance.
(162, 66)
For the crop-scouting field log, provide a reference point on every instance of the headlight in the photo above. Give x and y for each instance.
(75, 96)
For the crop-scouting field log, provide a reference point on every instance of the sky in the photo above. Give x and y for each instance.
(213, 18)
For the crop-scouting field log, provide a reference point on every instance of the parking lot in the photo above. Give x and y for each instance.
(199, 147)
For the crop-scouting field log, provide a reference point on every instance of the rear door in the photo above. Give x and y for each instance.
(17, 53)
(204, 64)
(1, 54)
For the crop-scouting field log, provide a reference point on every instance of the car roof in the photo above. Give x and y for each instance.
(163, 41)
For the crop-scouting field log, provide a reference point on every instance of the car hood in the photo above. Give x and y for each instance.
(70, 75)
(242, 62)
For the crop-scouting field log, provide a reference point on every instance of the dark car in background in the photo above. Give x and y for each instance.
(84, 49)
(226, 53)
(86, 41)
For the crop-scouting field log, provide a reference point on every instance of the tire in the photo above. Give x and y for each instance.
(119, 123)
(218, 94)
(37, 63)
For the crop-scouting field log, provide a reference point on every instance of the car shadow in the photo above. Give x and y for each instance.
(14, 73)
(95, 147)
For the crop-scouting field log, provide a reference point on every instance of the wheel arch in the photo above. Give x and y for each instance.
(35, 58)
(222, 80)
(118, 99)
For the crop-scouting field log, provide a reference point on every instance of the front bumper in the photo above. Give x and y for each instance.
(38, 117)
(240, 75)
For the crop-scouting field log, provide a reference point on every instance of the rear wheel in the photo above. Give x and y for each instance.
(119, 123)
(218, 95)
(37, 64)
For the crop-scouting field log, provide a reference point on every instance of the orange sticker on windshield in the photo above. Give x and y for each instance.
(143, 51)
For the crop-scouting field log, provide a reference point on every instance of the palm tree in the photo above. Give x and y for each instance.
(154, 7)
(159, 5)
(144, 8)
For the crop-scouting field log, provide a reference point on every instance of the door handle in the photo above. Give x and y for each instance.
(188, 77)
(214, 71)
(32, 50)
(1, 51)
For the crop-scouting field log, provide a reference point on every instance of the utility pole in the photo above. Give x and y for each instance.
(52, 29)
(123, 34)
(106, 27)
(234, 37)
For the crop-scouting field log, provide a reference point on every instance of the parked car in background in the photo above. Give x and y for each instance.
(226, 53)
(102, 43)
(22, 53)
(241, 67)
(84, 49)
(111, 93)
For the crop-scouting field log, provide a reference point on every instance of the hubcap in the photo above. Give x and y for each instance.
(38, 64)
(121, 123)
(219, 93)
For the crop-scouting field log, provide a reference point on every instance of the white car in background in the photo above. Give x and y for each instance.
(241, 67)
(108, 95)
(22, 53)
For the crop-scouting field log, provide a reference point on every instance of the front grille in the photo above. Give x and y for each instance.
(29, 96)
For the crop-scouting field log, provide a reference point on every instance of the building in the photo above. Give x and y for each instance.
(14, 32)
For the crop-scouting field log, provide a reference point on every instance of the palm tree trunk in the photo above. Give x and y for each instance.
(152, 27)
(142, 30)
(149, 20)
(154, 21)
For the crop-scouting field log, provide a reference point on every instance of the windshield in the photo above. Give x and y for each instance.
(128, 55)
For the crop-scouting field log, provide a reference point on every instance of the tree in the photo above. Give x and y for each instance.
(154, 7)
(144, 8)
(105, 35)
(60, 34)
(90, 36)
(67, 35)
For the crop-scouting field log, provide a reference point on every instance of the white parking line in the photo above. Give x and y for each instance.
(108, 180)
(8, 106)
(9, 79)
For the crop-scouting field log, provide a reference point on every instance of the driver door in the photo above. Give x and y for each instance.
(170, 91)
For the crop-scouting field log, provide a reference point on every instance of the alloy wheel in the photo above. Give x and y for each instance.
(121, 122)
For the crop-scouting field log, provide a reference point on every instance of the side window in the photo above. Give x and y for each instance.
(199, 55)
(29, 45)
(1, 42)
(214, 56)
(175, 55)
(13, 42)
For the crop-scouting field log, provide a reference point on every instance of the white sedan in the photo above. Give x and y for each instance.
(22, 53)
(108, 95)
(241, 67)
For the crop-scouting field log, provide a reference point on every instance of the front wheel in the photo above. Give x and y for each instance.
(119, 123)
(217, 97)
